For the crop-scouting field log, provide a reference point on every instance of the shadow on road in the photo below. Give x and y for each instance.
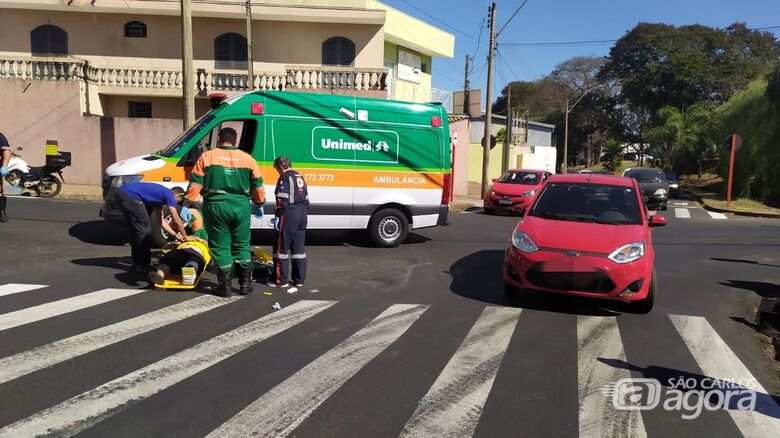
(121, 264)
(478, 277)
(749, 262)
(766, 290)
(357, 238)
(100, 233)
(715, 389)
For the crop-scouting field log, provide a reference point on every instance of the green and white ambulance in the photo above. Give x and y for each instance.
(372, 164)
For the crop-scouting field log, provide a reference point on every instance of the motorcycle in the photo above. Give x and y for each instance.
(40, 180)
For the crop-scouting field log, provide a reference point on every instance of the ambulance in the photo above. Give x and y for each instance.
(379, 165)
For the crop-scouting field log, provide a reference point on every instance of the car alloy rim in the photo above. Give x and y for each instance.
(389, 228)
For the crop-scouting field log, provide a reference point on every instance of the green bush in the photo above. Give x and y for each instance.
(613, 155)
(757, 164)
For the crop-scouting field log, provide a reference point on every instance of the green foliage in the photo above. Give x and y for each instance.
(613, 155)
(682, 135)
(751, 115)
(501, 135)
(773, 86)
(661, 65)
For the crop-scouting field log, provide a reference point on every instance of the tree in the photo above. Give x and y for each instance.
(684, 133)
(661, 65)
(613, 155)
(773, 87)
(539, 97)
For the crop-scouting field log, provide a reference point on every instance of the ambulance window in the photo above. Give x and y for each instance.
(208, 141)
(246, 131)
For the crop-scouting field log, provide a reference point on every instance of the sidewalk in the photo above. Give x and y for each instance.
(81, 192)
(706, 192)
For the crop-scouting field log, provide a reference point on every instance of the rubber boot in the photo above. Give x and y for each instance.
(225, 278)
(3, 217)
(244, 279)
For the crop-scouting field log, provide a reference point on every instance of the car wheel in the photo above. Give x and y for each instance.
(489, 211)
(388, 228)
(159, 236)
(646, 305)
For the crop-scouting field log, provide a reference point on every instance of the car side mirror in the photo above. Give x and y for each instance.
(657, 221)
(495, 179)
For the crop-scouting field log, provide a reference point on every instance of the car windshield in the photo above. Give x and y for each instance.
(647, 175)
(670, 175)
(583, 202)
(185, 136)
(527, 178)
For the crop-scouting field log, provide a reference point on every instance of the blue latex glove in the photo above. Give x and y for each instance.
(258, 211)
(275, 223)
(3, 171)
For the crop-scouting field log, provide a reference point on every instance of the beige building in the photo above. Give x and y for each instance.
(72, 69)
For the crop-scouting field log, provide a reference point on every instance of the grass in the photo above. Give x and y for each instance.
(711, 188)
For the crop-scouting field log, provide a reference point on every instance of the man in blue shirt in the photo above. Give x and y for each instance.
(137, 201)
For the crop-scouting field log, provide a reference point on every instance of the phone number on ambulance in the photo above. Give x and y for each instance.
(319, 177)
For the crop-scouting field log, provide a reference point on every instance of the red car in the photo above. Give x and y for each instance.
(514, 191)
(587, 235)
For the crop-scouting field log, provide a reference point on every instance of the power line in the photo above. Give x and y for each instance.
(600, 42)
(510, 18)
(479, 39)
(439, 21)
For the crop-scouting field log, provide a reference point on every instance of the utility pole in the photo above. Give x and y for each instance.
(466, 86)
(488, 101)
(188, 91)
(565, 167)
(507, 130)
(250, 67)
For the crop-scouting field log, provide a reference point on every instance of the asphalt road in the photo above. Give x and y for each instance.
(416, 341)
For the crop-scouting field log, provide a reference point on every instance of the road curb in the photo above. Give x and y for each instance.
(704, 205)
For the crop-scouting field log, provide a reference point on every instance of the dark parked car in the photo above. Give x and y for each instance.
(674, 183)
(652, 182)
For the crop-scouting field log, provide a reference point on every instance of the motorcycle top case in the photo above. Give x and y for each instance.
(61, 159)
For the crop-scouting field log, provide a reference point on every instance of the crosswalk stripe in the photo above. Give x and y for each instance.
(716, 215)
(679, 203)
(717, 361)
(85, 410)
(453, 405)
(682, 213)
(599, 338)
(15, 288)
(61, 307)
(280, 410)
(29, 361)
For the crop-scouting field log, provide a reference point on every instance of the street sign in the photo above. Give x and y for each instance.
(727, 142)
(492, 141)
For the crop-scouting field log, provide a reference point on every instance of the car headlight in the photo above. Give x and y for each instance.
(121, 180)
(523, 242)
(628, 253)
(493, 193)
(660, 192)
(528, 194)
(673, 186)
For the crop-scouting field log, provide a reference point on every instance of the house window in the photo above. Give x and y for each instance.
(230, 51)
(338, 51)
(135, 29)
(48, 40)
(141, 110)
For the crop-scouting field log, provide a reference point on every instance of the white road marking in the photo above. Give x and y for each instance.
(717, 361)
(15, 288)
(453, 405)
(29, 361)
(653, 212)
(682, 213)
(279, 411)
(85, 410)
(716, 215)
(61, 307)
(679, 203)
(599, 338)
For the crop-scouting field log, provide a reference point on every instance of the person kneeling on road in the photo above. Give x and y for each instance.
(292, 206)
(227, 178)
(135, 200)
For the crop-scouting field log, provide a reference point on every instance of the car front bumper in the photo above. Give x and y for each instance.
(586, 275)
(507, 203)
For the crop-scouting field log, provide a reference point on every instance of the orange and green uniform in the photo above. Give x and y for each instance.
(227, 178)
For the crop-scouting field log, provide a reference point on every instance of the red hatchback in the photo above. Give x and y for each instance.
(587, 235)
(514, 191)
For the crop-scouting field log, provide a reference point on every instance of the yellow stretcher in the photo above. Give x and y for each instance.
(260, 260)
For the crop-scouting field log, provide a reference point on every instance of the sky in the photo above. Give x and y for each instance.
(542, 21)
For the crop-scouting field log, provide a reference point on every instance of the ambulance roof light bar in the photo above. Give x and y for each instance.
(216, 99)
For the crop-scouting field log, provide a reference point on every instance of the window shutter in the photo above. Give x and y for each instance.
(338, 51)
(230, 52)
(48, 40)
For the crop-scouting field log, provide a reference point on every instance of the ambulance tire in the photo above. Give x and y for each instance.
(388, 228)
(159, 236)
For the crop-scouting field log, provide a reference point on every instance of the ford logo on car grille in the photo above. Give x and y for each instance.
(571, 254)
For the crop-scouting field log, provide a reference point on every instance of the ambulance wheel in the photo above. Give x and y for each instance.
(159, 236)
(388, 228)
